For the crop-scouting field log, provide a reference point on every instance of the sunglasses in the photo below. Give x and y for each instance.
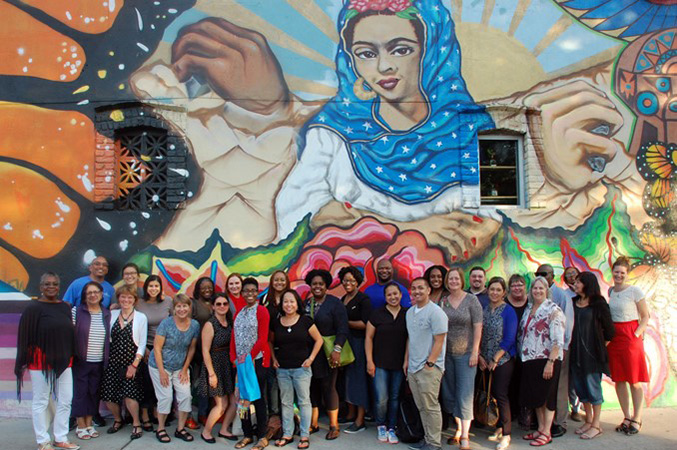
(541, 274)
(221, 304)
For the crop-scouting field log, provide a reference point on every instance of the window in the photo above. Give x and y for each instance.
(500, 171)
(141, 168)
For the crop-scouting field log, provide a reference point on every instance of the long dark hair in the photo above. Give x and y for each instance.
(229, 313)
(591, 289)
(269, 299)
(196, 288)
(146, 295)
(299, 303)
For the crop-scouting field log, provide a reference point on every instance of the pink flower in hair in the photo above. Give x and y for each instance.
(398, 5)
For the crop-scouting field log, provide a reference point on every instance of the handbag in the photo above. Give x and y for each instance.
(246, 380)
(347, 355)
(485, 407)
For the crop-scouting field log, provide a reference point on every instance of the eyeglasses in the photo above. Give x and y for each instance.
(250, 291)
(99, 263)
(345, 281)
(90, 293)
(221, 304)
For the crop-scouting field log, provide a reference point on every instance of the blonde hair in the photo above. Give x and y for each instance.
(182, 299)
(460, 273)
(127, 290)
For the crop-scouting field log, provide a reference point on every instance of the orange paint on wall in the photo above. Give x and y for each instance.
(35, 215)
(12, 271)
(30, 48)
(59, 141)
(88, 16)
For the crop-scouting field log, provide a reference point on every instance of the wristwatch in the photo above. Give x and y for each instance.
(430, 364)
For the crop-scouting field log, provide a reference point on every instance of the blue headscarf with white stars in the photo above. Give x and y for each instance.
(417, 165)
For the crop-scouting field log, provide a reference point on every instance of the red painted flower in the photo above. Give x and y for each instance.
(398, 5)
(363, 245)
(379, 5)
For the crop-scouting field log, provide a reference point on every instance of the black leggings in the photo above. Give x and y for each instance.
(259, 406)
(500, 387)
(324, 389)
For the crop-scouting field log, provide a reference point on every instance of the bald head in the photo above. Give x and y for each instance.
(384, 270)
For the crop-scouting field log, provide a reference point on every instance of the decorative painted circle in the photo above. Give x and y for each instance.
(663, 84)
(647, 103)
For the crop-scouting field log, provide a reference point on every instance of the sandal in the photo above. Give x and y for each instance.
(587, 435)
(313, 429)
(147, 425)
(623, 427)
(305, 443)
(332, 434)
(497, 436)
(136, 432)
(244, 442)
(284, 441)
(183, 435)
(82, 433)
(117, 426)
(583, 428)
(532, 436)
(92, 432)
(543, 439)
(503, 443)
(162, 436)
(464, 443)
(633, 428)
(261, 444)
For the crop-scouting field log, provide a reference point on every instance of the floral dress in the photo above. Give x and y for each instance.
(220, 361)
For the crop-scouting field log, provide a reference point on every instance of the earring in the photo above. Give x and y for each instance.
(361, 92)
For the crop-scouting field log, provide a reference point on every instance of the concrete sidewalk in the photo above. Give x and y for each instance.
(656, 434)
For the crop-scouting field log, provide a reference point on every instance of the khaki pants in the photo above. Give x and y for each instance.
(425, 387)
(563, 393)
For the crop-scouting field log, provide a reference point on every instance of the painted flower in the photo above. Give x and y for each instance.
(379, 5)
(363, 245)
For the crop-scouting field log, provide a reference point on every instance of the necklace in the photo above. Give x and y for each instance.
(125, 320)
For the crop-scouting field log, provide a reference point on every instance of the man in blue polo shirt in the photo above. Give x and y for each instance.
(98, 269)
(384, 275)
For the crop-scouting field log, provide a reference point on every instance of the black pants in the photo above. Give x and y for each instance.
(324, 389)
(259, 406)
(500, 388)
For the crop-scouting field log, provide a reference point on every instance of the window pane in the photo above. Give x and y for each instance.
(498, 172)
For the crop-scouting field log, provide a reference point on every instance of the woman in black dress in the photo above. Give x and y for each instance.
(331, 320)
(216, 376)
(358, 308)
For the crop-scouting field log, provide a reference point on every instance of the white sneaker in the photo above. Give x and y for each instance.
(392, 437)
(382, 433)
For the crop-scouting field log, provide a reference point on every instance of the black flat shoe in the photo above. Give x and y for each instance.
(117, 426)
(147, 426)
(211, 440)
(232, 437)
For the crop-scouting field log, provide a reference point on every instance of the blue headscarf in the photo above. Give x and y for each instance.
(416, 165)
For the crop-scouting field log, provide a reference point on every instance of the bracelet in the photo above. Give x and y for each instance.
(551, 361)
(338, 348)
(136, 367)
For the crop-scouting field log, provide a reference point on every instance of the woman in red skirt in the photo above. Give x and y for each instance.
(630, 313)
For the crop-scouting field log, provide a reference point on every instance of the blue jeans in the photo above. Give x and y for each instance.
(458, 386)
(387, 385)
(291, 381)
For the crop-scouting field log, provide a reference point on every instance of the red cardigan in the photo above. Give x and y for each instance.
(261, 345)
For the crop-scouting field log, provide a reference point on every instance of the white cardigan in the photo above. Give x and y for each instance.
(139, 329)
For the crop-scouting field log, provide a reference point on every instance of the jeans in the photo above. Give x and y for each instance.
(272, 393)
(563, 393)
(63, 390)
(425, 387)
(387, 385)
(296, 381)
(458, 386)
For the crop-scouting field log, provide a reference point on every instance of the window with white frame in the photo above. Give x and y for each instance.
(501, 171)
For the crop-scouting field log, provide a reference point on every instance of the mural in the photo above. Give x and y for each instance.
(200, 138)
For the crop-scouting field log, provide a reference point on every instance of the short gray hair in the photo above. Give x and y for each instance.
(46, 275)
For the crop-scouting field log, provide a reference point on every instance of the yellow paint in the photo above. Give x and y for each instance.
(117, 116)
(102, 74)
(81, 89)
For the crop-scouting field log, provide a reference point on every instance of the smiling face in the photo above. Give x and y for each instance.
(154, 288)
(318, 287)
(249, 292)
(384, 270)
(620, 274)
(50, 287)
(420, 291)
(279, 283)
(579, 287)
(289, 304)
(387, 55)
(518, 290)
(539, 291)
(94, 295)
(349, 283)
(393, 295)
(496, 292)
(570, 275)
(234, 286)
(126, 301)
(436, 279)
(98, 267)
(206, 290)
(454, 281)
(221, 306)
(477, 280)
(130, 276)
(182, 310)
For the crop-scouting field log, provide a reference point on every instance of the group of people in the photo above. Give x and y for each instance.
(260, 354)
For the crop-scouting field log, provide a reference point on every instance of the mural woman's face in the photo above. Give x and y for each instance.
(387, 54)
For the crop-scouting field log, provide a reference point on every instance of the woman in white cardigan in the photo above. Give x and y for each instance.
(129, 331)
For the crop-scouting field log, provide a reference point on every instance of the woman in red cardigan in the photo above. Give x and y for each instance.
(250, 337)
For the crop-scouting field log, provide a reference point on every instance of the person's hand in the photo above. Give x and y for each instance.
(146, 356)
(242, 358)
(164, 378)
(237, 63)
(183, 377)
(405, 367)
(548, 370)
(482, 363)
(578, 122)
(335, 359)
(131, 372)
(473, 359)
(114, 306)
(371, 368)
(307, 363)
(276, 364)
(213, 380)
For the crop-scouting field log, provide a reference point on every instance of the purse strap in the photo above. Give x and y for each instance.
(489, 389)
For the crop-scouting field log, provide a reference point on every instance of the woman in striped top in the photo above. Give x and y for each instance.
(92, 322)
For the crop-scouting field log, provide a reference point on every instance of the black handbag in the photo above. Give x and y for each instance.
(485, 407)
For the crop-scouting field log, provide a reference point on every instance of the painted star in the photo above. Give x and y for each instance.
(471, 126)
(322, 119)
(440, 78)
(439, 144)
(428, 189)
(414, 161)
(454, 87)
(446, 113)
(466, 155)
(379, 169)
(390, 188)
(403, 177)
(434, 97)
(433, 166)
(453, 174)
(433, 124)
(348, 130)
(453, 135)
(443, 49)
(366, 125)
(405, 149)
(473, 170)
(346, 101)
(384, 139)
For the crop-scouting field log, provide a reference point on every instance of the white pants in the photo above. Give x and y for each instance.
(164, 393)
(63, 392)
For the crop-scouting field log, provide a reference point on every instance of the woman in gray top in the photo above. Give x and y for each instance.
(464, 312)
